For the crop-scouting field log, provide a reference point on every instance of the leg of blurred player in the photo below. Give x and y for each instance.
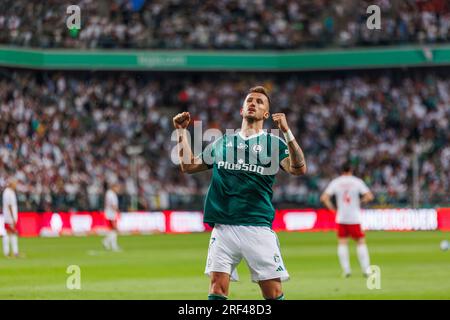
(6, 244)
(11, 238)
(114, 245)
(271, 289)
(106, 241)
(111, 214)
(15, 244)
(110, 241)
(363, 255)
(113, 237)
(220, 283)
(344, 256)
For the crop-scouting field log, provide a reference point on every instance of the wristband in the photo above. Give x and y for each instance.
(288, 136)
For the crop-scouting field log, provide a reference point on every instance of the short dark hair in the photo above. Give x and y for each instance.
(347, 166)
(259, 89)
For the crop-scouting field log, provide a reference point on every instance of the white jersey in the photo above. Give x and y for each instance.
(9, 200)
(111, 203)
(347, 190)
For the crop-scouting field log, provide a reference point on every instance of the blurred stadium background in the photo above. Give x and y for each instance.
(75, 106)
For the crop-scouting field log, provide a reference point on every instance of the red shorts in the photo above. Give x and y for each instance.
(350, 230)
(110, 223)
(8, 227)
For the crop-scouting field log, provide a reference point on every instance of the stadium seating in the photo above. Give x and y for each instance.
(223, 24)
(64, 134)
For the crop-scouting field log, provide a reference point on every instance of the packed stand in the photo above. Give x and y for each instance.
(222, 24)
(64, 136)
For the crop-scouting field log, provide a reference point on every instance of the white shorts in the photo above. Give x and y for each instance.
(258, 246)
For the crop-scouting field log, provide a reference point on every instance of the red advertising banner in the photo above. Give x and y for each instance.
(304, 220)
(444, 219)
(54, 224)
(29, 224)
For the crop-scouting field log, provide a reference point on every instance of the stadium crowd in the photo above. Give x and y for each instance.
(64, 136)
(222, 24)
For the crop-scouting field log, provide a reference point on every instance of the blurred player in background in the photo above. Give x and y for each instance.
(348, 189)
(238, 203)
(111, 214)
(10, 216)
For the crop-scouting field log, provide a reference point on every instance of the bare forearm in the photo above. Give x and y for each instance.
(188, 162)
(329, 204)
(184, 149)
(296, 156)
(368, 197)
(326, 200)
(11, 213)
(295, 164)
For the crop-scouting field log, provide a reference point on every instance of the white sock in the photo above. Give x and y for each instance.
(15, 244)
(114, 240)
(344, 258)
(6, 244)
(363, 257)
(106, 241)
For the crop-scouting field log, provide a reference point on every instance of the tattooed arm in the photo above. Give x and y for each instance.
(188, 162)
(294, 164)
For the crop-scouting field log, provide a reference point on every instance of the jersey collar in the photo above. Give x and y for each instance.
(252, 136)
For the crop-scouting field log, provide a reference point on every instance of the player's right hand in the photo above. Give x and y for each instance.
(182, 120)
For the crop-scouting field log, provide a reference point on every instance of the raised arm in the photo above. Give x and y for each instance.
(188, 163)
(294, 164)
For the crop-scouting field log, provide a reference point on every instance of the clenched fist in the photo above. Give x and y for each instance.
(182, 120)
(280, 121)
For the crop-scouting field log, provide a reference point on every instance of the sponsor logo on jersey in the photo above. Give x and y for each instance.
(242, 146)
(240, 167)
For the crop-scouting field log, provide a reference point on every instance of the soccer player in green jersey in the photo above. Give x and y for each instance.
(238, 203)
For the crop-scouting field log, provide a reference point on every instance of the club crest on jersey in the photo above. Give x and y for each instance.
(257, 148)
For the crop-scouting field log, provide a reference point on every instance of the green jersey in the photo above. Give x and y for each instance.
(244, 171)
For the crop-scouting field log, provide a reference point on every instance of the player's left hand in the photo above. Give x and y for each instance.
(280, 121)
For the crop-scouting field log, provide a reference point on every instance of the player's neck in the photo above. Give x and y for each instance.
(249, 128)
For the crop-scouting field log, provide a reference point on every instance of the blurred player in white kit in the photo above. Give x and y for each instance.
(347, 188)
(10, 216)
(111, 214)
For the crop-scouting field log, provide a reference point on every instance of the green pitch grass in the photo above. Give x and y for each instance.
(171, 267)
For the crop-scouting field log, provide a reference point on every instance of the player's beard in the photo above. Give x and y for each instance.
(251, 118)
